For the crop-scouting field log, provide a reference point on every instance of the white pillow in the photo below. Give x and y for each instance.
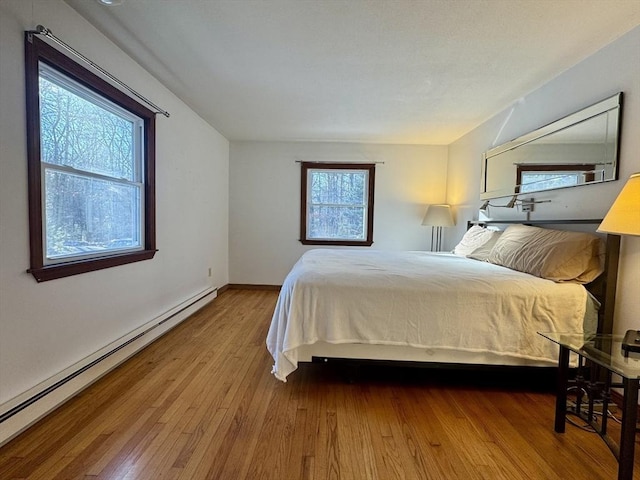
(477, 243)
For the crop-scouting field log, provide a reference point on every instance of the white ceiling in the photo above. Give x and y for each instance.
(379, 71)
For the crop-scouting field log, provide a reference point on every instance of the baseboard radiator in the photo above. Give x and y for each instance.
(21, 412)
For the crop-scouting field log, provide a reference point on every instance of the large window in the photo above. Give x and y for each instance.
(91, 169)
(337, 204)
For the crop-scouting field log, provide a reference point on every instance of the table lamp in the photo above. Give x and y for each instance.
(623, 218)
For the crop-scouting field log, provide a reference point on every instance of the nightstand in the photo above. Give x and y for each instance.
(605, 351)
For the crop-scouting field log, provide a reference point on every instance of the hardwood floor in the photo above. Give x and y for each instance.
(200, 403)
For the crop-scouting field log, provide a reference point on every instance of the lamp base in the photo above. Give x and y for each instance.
(436, 239)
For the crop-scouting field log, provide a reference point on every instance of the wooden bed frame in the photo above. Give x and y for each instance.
(603, 289)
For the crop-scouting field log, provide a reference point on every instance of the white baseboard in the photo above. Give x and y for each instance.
(79, 376)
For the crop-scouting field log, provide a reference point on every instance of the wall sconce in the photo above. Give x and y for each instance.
(437, 216)
(512, 202)
(527, 204)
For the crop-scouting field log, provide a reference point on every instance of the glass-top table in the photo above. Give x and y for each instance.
(604, 351)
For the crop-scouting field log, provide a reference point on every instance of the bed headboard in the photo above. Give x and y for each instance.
(603, 287)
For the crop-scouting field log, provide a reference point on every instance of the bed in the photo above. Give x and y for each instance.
(471, 307)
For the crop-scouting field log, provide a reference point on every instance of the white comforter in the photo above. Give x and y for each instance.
(418, 299)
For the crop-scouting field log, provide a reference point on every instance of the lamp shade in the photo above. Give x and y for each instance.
(438, 216)
(623, 218)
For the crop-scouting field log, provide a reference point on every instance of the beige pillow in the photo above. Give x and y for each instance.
(477, 243)
(552, 254)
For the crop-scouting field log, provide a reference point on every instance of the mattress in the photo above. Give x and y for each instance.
(433, 302)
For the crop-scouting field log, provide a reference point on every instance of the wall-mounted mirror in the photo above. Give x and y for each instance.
(579, 149)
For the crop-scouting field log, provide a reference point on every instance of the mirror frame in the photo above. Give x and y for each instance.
(611, 104)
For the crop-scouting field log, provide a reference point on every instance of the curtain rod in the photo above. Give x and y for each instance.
(338, 161)
(41, 30)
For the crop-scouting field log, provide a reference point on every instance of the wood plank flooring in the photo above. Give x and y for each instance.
(200, 403)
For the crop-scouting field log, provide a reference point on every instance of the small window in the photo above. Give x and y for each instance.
(337, 204)
(91, 169)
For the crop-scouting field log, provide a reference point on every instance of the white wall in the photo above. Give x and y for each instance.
(44, 328)
(613, 69)
(264, 218)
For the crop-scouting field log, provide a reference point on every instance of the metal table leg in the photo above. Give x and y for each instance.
(561, 395)
(628, 434)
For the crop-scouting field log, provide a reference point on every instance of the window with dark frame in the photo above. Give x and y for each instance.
(337, 204)
(91, 168)
(534, 177)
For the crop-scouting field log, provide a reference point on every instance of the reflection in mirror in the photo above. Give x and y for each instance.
(576, 150)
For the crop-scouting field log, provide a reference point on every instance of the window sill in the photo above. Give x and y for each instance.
(341, 243)
(61, 270)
